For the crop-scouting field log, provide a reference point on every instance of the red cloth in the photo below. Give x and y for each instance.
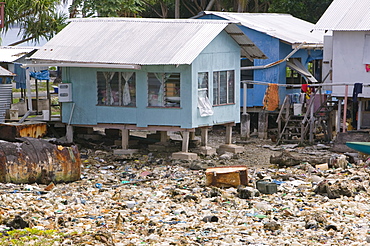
(304, 87)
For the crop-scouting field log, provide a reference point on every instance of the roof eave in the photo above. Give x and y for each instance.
(45, 63)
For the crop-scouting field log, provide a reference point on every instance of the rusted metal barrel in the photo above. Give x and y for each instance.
(38, 161)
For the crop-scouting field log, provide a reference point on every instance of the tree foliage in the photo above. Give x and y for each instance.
(105, 8)
(36, 18)
(309, 10)
(39, 18)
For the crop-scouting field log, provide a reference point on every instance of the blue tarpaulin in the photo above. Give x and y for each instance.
(42, 75)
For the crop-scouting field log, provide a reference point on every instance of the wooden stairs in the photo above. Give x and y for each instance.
(300, 129)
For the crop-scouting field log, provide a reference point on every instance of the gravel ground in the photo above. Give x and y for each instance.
(150, 199)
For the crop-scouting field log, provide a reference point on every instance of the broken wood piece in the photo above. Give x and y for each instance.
(231, 176)
(287, 159)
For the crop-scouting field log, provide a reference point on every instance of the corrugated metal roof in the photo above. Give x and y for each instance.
(13, 53)
(6, 73)
(136, 41)
(282, 26)
(346, 15)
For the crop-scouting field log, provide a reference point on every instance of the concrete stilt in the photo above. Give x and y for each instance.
(262, 124)
(245, 126)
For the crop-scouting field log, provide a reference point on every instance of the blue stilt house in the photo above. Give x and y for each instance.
(148, 74)
(294, 55)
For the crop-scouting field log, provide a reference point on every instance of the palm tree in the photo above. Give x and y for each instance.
(37, 19)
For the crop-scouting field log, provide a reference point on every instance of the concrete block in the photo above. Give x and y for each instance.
(203, 150)
(184, 156)
(232, 148)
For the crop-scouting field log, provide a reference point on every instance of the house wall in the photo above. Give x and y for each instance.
(86, 111)
(270, 47)
(223, 53)
(275, 50)
(226, 57)
(347, 64)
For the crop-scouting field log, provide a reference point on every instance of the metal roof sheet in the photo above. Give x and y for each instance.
(6, 73)
(346, 15)
(282, 26)
(13, 53)
(136, 41)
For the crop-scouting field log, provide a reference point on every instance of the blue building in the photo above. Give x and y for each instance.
(149, 74)
(294, 56)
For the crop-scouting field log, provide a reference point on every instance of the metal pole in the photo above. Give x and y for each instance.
(345, 109)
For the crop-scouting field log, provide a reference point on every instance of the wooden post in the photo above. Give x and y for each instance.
(28, 87)
(345, 110)
(48, 98)
(37, 96)
(125, 137)
(204, 136)
(339, 115)
(185, 141)
(229, 132)
(192, 135)
(163, 136)
(312, 121)
(359, 120)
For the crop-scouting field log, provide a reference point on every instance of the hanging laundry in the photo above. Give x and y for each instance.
(307, 90)
(271, 98)
(20, 79)
(357, 89)
(295, 98)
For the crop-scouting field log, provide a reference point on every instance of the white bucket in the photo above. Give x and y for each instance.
(297, 108)
(45, 114)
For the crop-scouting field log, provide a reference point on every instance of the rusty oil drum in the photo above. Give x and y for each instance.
(34, 160)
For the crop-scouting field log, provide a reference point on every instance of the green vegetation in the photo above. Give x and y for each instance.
(29, 236)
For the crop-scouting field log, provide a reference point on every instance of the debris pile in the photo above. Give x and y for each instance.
(150, 200)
